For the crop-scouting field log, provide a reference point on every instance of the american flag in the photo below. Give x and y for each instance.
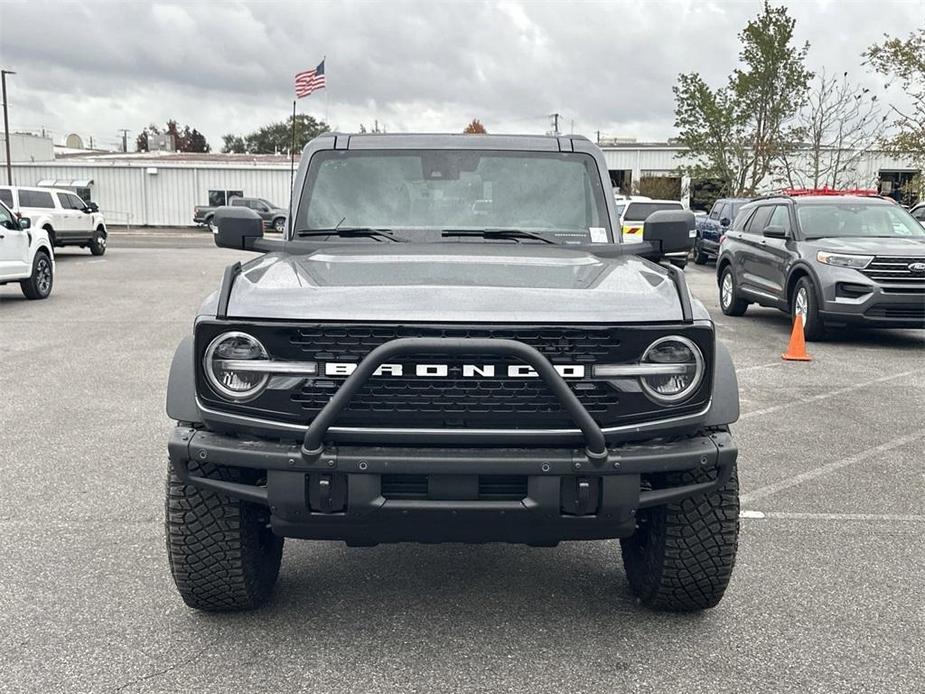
(310, 80)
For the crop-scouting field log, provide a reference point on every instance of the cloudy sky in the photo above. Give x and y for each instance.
(95, 67)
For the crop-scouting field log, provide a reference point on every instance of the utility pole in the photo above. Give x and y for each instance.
(91, 142)
(124, 132)
(6, 127)
(555, 123)
(598, 137)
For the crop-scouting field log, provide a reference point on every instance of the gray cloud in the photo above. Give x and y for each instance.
(94, 67)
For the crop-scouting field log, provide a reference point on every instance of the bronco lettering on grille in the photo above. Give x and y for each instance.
(332, 368)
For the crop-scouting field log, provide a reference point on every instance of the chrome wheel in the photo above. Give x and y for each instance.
(726, 290)
(43, 276)
(801, 304)
(101, 240)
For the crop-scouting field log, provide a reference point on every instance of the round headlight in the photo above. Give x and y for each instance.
(683, 371)
(227, 370)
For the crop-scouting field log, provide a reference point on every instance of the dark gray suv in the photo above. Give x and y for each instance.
(835, 260)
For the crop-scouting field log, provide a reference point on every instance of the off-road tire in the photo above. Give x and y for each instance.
(734, 306)
(222, 554)
(39, 284)
(98, 242)
(700, 256)
(681, 556)
(813, 326)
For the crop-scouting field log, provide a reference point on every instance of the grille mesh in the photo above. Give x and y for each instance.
(894, 269)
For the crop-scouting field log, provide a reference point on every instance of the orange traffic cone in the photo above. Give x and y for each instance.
(796, 350)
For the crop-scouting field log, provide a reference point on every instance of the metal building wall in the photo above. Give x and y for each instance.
(160, 195)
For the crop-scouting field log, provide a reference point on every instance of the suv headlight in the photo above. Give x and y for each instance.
(683, 371)
(858, 262)
(227, 370)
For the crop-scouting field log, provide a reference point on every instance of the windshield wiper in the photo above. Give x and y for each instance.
(347, 232)
(496, 234)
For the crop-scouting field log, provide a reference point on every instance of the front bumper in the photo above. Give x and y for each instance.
(890, 307)
(360, 494)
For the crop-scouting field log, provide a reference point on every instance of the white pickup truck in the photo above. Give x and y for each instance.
(26, 255)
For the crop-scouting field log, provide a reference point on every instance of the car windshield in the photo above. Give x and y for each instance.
(640, 211)
(423, 193)
(856, 219)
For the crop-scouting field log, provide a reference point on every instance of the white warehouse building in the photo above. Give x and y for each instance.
(161, 189)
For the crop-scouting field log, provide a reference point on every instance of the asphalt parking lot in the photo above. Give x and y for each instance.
(827, 595)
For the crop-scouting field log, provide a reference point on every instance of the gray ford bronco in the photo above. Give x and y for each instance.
(451, 345)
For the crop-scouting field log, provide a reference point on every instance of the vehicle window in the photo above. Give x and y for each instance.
(759, 220)
(6, 197)
(853, 219)
(714, 213)
(238, 202)
(36, 198)
(216, 198)
(555, 193)
(918, 213)
(6, 219)
(726, 212)
(780, 217)
(266, 203)
(65, 201)
(742, 219)
(620, 207)
(76, 202)
(640, 211)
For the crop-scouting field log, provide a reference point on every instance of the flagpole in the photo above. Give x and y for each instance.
(292, 154)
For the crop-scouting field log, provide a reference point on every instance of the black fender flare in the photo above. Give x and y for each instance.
(181, 384)
(724, 407)
(803, 268)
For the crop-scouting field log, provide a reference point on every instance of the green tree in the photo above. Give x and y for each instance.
(739, 132)
(903, 61)
(185, 139)
(276, 137)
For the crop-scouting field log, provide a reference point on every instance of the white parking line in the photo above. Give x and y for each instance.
(794, 515)
(770, 489)
(830, 394)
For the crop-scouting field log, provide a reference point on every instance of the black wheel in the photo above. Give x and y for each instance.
(729, 300)
(40, 282)
(279, 224)
(681, 556)
(98, 242)
(208, 223)
(805, 304)
(222, 554)
(700, 255)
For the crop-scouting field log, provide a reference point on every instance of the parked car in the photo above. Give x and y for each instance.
(26, 255)
(446, 371)
(65, 217)
(845, 260)
(712, 226)
(632, 220)
(919, 212)
(273, 217)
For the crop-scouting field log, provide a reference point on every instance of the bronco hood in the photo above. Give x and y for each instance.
(454, 282)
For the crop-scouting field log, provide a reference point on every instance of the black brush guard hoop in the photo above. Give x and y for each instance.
(595, 445)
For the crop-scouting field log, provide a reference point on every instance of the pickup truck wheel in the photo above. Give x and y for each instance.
(279, 224)
(98, 242)
(729, 300)
(38, 285)
(680, 559)
(700, 256)
(805, 304)
(223, 556)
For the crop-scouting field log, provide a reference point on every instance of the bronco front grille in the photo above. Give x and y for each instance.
(884, 268)
(455, 400)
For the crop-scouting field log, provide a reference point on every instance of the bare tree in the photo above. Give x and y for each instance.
(837, 126)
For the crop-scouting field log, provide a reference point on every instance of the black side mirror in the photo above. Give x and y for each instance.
(25, 223)
(237, 227)
(725, 222)
(92, 207)
(775, 232)
(669, 231)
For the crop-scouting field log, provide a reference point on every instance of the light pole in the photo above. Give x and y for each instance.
(6, 127)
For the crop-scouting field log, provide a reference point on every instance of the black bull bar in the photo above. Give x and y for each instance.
(313, 444)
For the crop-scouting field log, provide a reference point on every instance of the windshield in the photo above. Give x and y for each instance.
(639, 211)
(856, 219)
(424, 192)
